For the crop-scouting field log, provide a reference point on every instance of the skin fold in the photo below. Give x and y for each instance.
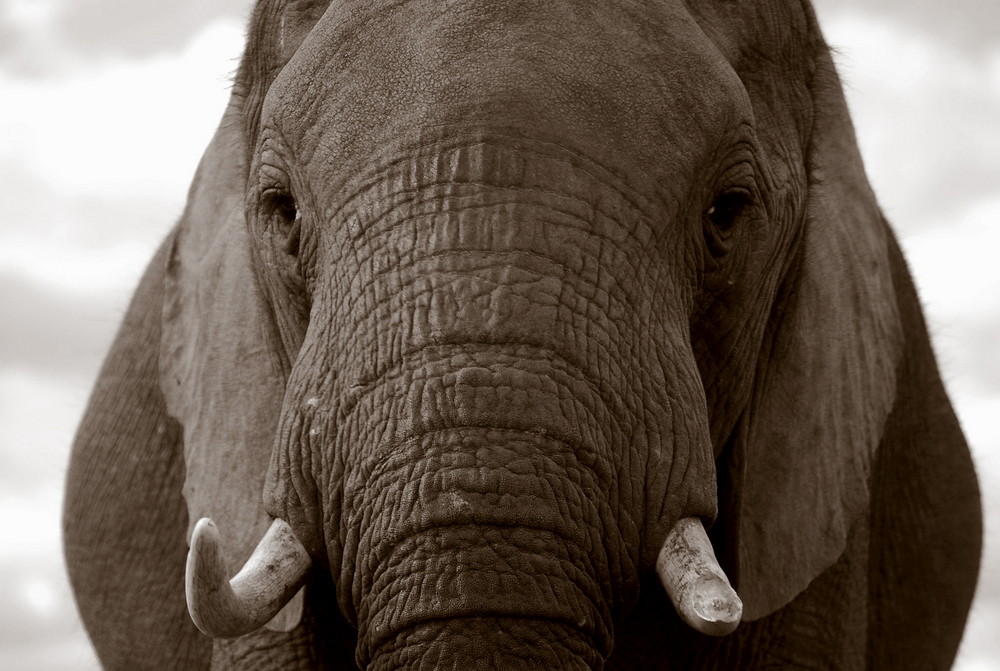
(482, 299)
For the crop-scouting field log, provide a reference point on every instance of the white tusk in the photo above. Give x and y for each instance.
(224, 608)
(289, 617)
(695, 582)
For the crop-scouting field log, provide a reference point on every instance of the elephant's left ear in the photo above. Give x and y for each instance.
(221, 374)
(223, 365)
(826, 378)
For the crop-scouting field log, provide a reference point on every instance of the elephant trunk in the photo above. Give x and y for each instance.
(474, 542)
(488, 642)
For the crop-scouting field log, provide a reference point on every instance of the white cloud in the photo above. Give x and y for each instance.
(992, 83)
(39, 628)
(900, 59)
(63, 265)
(926, 117)
(30, 14)
(955, 263)
(123, 126)
(39, 417)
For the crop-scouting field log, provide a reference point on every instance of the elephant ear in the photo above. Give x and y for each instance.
(223, 365)
(825, 381)
(221, 375)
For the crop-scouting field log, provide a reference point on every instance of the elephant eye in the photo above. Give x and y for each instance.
(284, 218)
(722, 217)
(725, 211)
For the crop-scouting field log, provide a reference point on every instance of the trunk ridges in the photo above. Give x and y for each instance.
(487, 643)
(483, 523)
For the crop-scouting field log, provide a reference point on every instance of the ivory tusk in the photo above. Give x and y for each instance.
(695, 583)
(224, 608)
(289, 617)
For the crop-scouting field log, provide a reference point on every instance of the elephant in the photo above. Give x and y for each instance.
(524, 335)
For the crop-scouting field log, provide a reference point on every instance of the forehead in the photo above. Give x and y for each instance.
(637, 79)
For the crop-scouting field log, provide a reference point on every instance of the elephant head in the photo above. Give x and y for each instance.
(488, 310)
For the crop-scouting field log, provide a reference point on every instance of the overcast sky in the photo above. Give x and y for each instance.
(107, 105)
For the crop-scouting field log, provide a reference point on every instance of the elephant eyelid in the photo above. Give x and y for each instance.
(283, 217)
(280, 203)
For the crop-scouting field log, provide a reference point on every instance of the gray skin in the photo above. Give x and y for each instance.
(482, 298)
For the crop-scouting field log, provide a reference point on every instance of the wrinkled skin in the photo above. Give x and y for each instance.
(482, 298)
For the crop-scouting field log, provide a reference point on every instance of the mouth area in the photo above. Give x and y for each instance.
(486, 642)
(507, 574)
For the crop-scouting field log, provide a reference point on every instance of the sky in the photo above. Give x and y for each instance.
(108, 104)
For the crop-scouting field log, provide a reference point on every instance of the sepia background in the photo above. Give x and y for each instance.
(106, 105)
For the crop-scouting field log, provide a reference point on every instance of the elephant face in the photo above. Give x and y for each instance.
(488, 298)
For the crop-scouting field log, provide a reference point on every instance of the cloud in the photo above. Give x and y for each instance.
(926, 116)
(127, 126)
(80, 244)
(39, 627)
(46, 37)
(28, 43)
(139, 29)
(955, 270)
(39, 414)
(969, 25)
(38, 337)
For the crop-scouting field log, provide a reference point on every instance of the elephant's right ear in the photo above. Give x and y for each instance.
(825, 381)
(221, 373)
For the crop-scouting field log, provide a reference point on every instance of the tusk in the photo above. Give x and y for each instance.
(289, 617)
(695, 582)
(224, 608)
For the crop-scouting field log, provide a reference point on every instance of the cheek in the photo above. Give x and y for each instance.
(302, 459)
(729, 326)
